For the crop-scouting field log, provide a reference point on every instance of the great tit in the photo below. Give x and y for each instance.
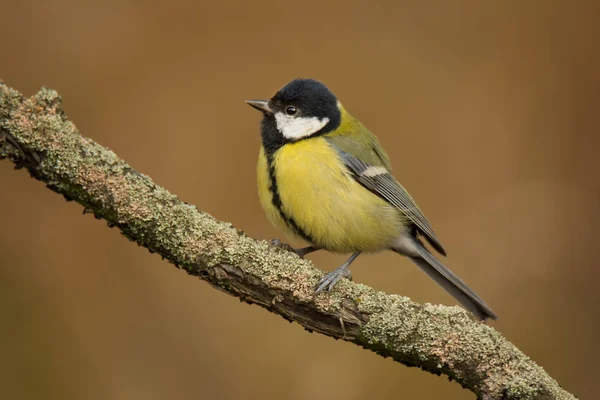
(324, 177)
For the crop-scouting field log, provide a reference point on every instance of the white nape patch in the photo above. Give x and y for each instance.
(374, 171)
(298, 127)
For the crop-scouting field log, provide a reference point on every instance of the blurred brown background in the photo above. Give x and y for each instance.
(490, 115)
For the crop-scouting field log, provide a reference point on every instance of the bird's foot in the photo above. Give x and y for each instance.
(299, 252)
(332, 278)
(280, 245)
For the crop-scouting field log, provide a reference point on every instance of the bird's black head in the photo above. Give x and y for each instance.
(306, 98)
(302, 109)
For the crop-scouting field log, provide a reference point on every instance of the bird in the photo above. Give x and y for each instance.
(323, 177)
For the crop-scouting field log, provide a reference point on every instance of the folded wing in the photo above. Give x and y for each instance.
(379, 180)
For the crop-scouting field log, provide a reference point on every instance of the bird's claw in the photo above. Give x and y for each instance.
(332, 278)
(280, 245)
(284, 246)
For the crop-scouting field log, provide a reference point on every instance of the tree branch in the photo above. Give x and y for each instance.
(35, 134)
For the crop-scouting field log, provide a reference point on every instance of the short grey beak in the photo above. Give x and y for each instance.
(260, 105)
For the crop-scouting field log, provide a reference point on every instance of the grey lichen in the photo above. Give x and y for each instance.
(35, 134)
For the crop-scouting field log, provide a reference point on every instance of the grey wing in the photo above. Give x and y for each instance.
(380, 181)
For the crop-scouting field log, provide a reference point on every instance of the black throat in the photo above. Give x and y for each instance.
(272, 139)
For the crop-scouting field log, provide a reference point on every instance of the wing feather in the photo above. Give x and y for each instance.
(381, 182)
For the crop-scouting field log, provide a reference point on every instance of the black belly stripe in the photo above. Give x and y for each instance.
(276, 200)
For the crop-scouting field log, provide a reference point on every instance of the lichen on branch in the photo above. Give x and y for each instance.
(35, 134)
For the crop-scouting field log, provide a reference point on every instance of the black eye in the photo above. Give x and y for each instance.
(291, 110)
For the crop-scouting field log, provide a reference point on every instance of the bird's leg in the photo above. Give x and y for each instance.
(300, 252)
(306, 250)
(333, 277)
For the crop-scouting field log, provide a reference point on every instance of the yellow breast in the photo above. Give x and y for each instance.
(265, 196)
(320, 197)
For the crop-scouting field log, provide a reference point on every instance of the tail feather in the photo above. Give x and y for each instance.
(451, 283)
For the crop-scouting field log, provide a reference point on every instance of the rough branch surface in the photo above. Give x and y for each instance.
(35, 134)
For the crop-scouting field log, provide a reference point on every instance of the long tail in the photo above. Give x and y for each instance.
(450, 282)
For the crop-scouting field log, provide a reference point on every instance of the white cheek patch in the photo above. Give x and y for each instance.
(299, 127)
